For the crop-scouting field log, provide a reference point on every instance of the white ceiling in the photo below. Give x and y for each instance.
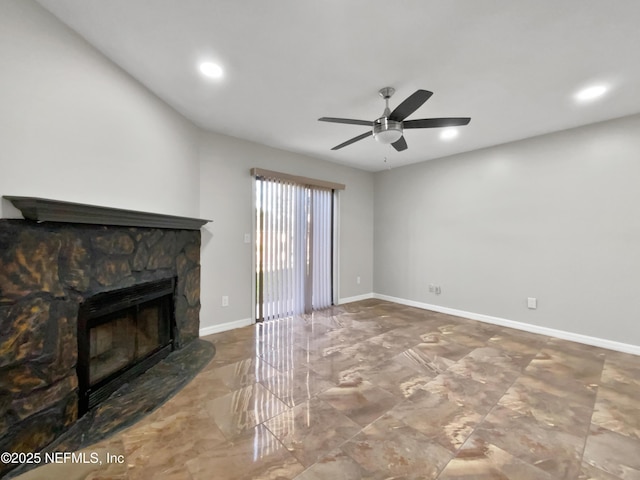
(512, 66)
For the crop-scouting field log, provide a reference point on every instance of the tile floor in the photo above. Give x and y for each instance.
(375, 390)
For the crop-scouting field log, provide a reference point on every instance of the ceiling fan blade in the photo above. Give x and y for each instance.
(410, 105)
(353, 140)
(436, 122)
(349, 121)
(400, 145)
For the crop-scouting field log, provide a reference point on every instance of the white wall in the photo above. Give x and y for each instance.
(226, 198)
(75, 127)
(553, 217)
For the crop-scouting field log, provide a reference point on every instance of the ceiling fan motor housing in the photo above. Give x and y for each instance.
(387, 131)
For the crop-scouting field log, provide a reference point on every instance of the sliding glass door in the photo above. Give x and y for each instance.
(294, 248)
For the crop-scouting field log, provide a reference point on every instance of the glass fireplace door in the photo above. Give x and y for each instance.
(120, 335)
(122, 339)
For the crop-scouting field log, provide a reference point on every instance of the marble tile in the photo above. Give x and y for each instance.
(243, 409)
(552, 450)
(318, 325)
(208, 386)
(478, 460)
(622, 374)
(246, 334)
(367, 351)
(160, 448)
(422, 361)
(285, 332)
(576, 349)
(394, 318)
(296, 386)
(437, 347)
(494, 355)
(255, 455)
(242, 373)
(489, 366)
(585, 368)
(311, 430)
(393, 448)
(362, 403)
(523, 343)
(559, 378)
(229, 336)
(463, 391)
(370, 324)
(228, 353)
(547, 407)
(334, 340)
(453, 334)
(337, 465)
(587, 472)
(338, 367)
(475, 327)
(275, 341)
(624, 360)
(441, 420)
(396, 340)
(617, 411)
(398, 378)
(565, 387)
(613, 453)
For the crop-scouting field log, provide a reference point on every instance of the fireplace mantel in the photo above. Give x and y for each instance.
(47, 210)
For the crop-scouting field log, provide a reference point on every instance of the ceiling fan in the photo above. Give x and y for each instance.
(389, 127)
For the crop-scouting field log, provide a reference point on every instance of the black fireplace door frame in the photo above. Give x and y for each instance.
(107, 306)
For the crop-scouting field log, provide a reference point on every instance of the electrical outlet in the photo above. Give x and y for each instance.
(247, 238)
(225, 301)
(358, 280)
(438, 291)
(432, 288)
(532, 303)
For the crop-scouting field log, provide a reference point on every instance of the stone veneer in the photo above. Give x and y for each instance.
(46, 271)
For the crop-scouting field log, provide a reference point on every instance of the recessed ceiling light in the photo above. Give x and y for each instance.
(211, 70)
(591, 93)
(449, 134)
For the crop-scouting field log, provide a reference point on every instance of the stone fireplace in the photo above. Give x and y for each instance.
(125, 284)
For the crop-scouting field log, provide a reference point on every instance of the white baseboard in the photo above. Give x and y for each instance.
(223, 327)
(527, 327)
(357, 298)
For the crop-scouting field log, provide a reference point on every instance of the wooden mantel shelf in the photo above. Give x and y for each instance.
(46, 210)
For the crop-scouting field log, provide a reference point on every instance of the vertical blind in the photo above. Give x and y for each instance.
(322, 248)
(294, 248)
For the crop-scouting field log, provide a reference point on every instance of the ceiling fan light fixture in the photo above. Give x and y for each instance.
(388, 136)
(387, 131)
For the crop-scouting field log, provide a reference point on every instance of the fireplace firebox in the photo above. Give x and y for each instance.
(121, 334)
